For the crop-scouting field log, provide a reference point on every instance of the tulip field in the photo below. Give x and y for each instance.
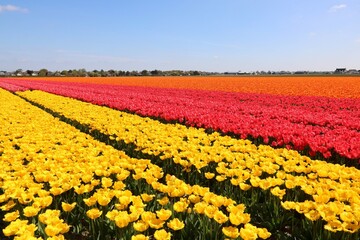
(180, 158)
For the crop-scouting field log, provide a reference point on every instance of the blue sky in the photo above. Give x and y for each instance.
(207, 35)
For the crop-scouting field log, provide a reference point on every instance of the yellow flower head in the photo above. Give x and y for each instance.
(239, 217)
(175, 224)
(9, 217)
(209, 175)
(112, 214)
(163, 214)
(194, 198)
(122, 219)
(244, 186)
(220, 178)
(163, 201)
(56, 191)
(104, 199)
(146, 197)
(49, 216)
(43, 202)
(90, 201)
(93, 213)
(140, 226)
(210, 211)
(180, 206)
(156, 223)
(106, 182)
(200, 207)
(220, 217)
(139, 237)
(249, 232)
(14, 227)
(52, 230)
(276, 191)
(231, 232)
(31, 211)
(263, 233)
(162, 235)
(9, 205)
(147, 216)
(68, 207)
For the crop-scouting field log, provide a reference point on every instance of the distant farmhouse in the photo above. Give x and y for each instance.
(340, 70)
(344, 71)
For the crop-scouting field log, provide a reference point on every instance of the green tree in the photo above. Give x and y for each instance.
(145, 73)
(82, 72)
(156, 72)
(43, 72)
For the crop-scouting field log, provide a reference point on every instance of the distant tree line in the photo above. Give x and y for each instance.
(101, 73)
(118, 73)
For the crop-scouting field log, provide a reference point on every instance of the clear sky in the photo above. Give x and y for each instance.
(206, 35)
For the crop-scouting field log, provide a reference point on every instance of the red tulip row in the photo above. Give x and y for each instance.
(8, 85)
(315, 124)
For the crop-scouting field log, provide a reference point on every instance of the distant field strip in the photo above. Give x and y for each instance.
(328, 186)
(326, 86)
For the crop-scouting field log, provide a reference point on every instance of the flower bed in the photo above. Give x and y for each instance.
(327, 127)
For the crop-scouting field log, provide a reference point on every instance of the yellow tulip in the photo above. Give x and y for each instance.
(122, 219)
(139, 237)
(14, 227)
(112, 214)
(103, 199)
(231, 232)
(164, 214)
(200, 207)
(276, 191)
(210, 211)
(49, 216)
(106, 182)
(31, 211)
(148, 216)
(93, 213)
(140, 226)
(9, 217)
(156, 223)
(52, 230)
(263, 233)
(244, 186)
(249, 232)
(56, 191)
(313, 215)
(220, 217)
(163, 201)
(146, 197)
(333, 226)
(175, 224)
(162, 235)
(90, 201)
(180, 206)
(67, 207)
(209, 175)
(238, 218)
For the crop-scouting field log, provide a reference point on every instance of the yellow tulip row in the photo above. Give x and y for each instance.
(48, 165)
(333, 189)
